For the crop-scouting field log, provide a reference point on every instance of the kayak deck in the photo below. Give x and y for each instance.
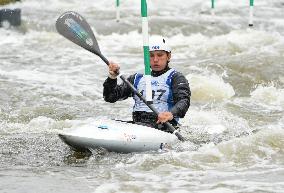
(116, 136)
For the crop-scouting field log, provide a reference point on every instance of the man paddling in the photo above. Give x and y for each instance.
(171, 92)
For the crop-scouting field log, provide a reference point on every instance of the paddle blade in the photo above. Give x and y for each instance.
(75, 28)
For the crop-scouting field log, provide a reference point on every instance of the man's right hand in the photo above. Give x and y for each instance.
(113, 69)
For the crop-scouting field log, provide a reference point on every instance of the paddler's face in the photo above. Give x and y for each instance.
(159, 59)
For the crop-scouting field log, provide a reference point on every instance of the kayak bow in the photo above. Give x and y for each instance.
(116, 136)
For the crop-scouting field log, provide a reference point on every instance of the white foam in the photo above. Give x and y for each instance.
(11, 38)
(210, 88)
(269, 95)
(39, 124)
(131, 41)
(234, 43)
(208, 122)
(261, 147)
(107, 187)
(265, 143)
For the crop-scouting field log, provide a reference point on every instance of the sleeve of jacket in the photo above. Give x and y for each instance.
(181, 95)
(113, 92)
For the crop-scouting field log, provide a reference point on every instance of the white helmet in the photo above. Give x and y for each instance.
(159, 44)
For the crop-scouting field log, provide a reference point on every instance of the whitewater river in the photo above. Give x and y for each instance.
(235, 123)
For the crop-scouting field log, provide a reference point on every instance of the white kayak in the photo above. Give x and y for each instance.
(116, 136)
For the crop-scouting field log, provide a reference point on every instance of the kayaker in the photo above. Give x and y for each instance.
(171, 90)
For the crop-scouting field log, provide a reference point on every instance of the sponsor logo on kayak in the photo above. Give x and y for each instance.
(103, 126)
(165, 146)
(129, 137)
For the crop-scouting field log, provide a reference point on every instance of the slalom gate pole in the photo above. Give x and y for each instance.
(251, 4)
(117, 11)
(146, 51)
(212, 7)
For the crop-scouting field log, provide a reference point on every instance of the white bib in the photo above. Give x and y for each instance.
(161, 92)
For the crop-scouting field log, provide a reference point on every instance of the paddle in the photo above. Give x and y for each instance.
(75, 28)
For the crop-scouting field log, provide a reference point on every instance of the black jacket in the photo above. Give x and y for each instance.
(180, 89)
